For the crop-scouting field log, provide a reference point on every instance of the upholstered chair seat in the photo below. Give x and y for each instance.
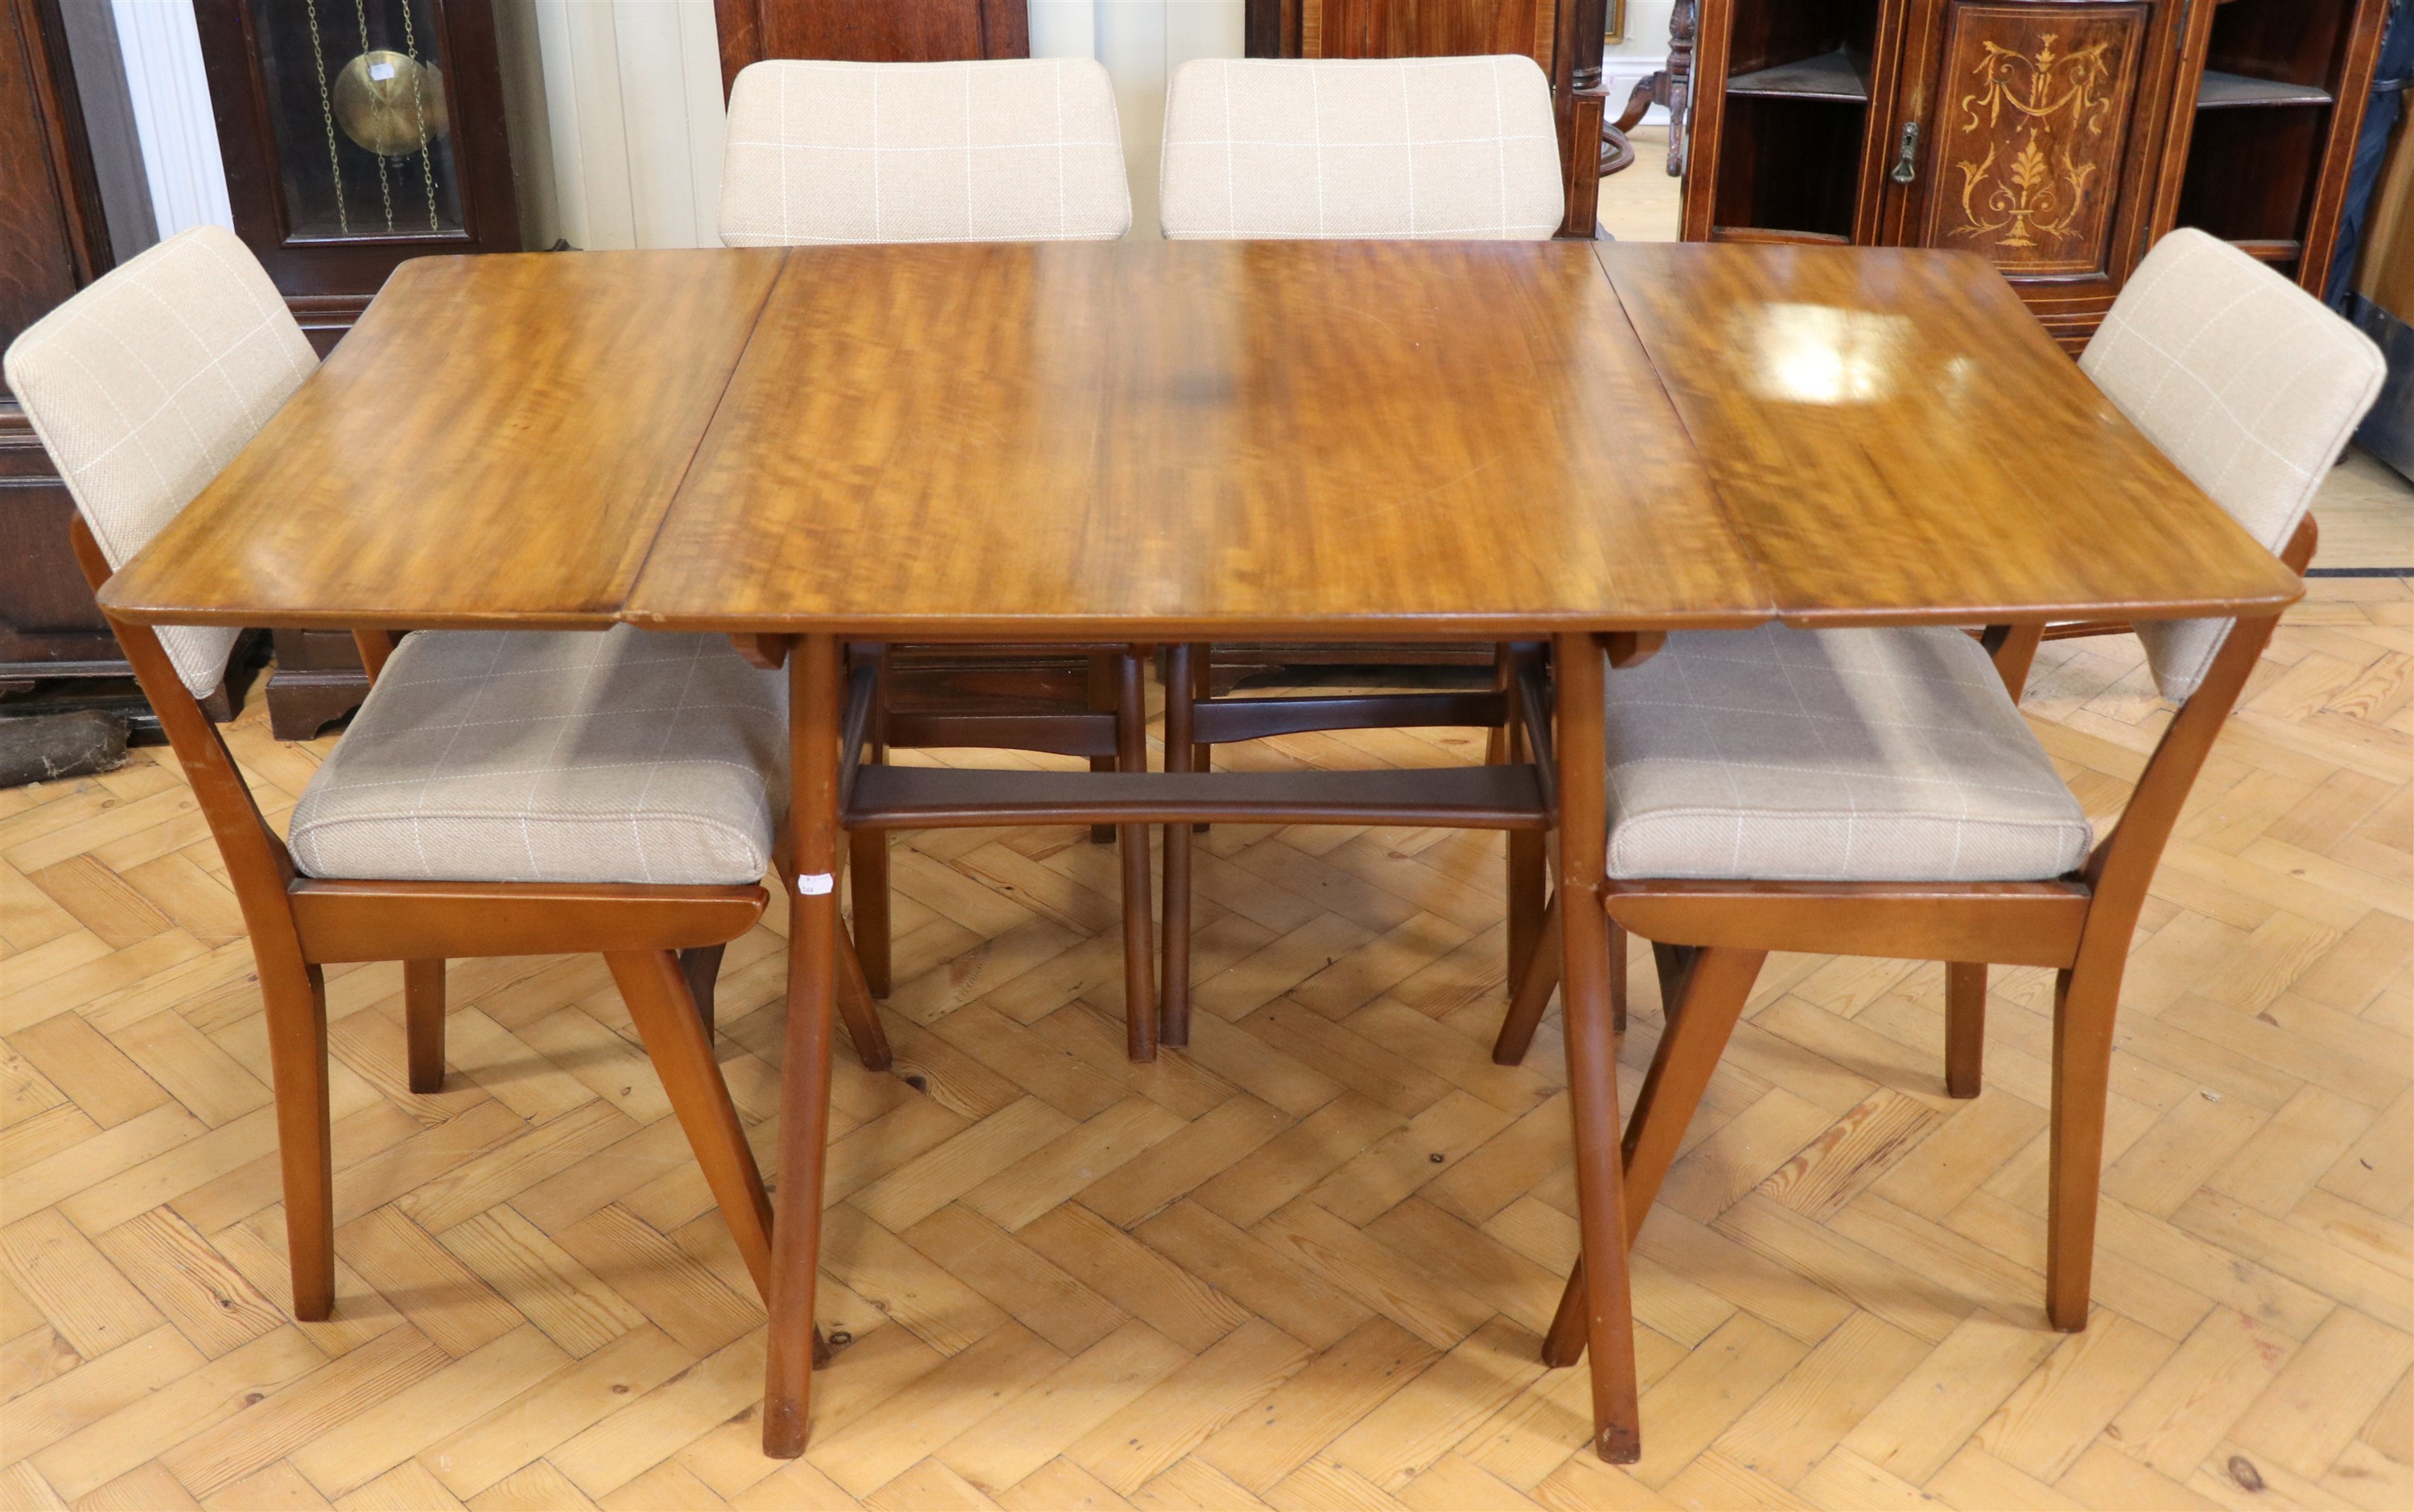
(554, 757)
(1457, 148)
(1831, 755)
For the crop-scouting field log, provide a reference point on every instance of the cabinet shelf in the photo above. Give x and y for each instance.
(2233, 91)
(1828, 76)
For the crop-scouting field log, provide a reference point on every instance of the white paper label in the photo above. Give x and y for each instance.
(813, 884)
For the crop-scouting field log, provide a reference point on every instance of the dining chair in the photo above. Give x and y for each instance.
(1007, 150)
(517, 793)
(1463, 148)
(1876, 792)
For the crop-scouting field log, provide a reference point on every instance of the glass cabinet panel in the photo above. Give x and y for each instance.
(356, 101)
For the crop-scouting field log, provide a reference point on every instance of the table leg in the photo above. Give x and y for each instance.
(1592, 1048)
(814, 693)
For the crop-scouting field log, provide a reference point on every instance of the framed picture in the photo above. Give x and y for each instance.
(1616, 11)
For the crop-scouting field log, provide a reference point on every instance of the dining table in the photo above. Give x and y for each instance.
(1589, 444)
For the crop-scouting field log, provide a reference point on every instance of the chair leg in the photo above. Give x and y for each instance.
(2083, 1007)
(1202, 687)
(701, 968)
(1539, 979)
(1174, 1006)
(867, 889)
(1715, 986)
(422, 1013)
(655, 990)
(854, 1006)
(296, 1001)
(1139, 983)
(1965, 1026)
(1101, 697)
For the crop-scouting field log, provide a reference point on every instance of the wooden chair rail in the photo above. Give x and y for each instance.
(1075, 734)
(2016, 924)
(927, 798)
(1227, 721)
(373, 921)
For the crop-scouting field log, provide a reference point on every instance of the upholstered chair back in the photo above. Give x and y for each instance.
(1451, 149)
(144, 385)
(2248, 384)
(1010, 150)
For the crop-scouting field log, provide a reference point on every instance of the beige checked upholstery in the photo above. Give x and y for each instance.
(1010, 150)
(144, 385)
(2246, 382)
(1458, 148)
(1830, 755)
(521, 757)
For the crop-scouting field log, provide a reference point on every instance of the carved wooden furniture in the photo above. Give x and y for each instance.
(1564, 36)
(1187, 483)
(892, 31)
(2059, 138)
(193, 394)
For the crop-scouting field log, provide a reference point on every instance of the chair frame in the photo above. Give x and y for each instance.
(655, 939)
(1709, 938)
(1515, 713)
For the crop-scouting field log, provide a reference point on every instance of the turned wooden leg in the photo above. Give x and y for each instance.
(295, 997)
(654, 985)
(1965, 1026)
(791, 1342)
(1592, 1052)
(700, 967)
(1140, 975)
(1535, 984)
(866, 886)
(1173, 1007)
(423, 1015)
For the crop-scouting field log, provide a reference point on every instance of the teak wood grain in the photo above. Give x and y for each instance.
(495, 442)
(1196, 438)
(1897, 438)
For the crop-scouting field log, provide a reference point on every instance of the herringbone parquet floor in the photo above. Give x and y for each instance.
(1304, 1265)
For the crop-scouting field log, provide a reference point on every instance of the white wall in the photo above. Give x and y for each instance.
(170, 97)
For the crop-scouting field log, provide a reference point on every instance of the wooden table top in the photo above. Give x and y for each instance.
(1896, 437)
(1203, 438)
(495, 442)
(1207, 440)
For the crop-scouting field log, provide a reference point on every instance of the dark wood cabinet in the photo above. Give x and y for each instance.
(893, 30)
(57, 652)
(2058, 137)
(2275, 93)
(1565, 36)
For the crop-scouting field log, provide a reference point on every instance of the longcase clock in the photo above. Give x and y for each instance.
(356, 134)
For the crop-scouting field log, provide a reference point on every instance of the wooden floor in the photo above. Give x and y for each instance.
(1305, 1266)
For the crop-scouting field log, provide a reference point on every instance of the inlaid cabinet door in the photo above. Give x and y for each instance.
(2032, 140)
